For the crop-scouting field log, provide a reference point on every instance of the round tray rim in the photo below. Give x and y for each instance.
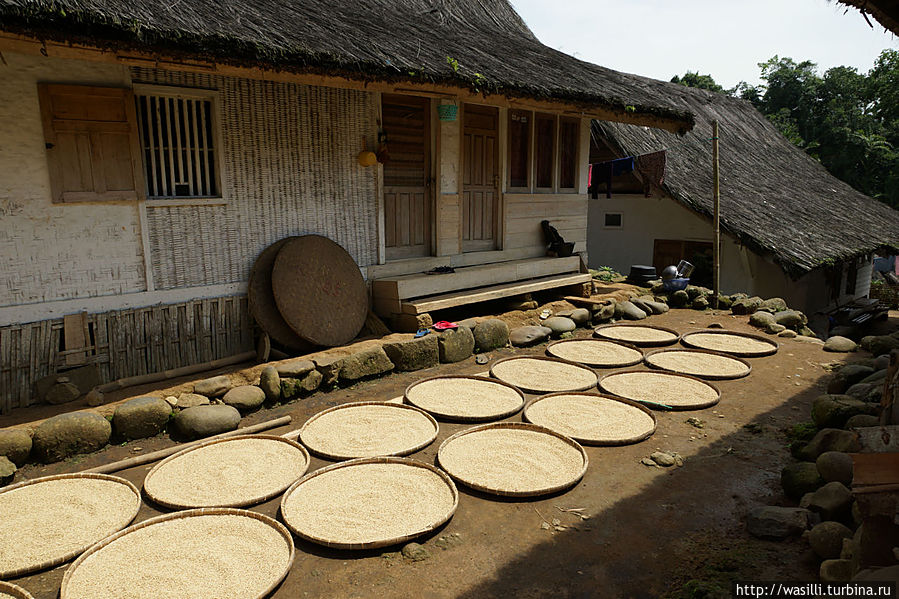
(192, 513)
(657, 406)
(519, 426)
(14, 590)
(677, 335)
(710, 377)
(776, 346)
(455, 418)
(595, 340)
(253, 501)
(545, 359)
(72, 475)
(356, 404)
(593, 442)
(380, 542)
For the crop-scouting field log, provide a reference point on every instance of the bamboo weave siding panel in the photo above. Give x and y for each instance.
(289, 155)
(126, 343)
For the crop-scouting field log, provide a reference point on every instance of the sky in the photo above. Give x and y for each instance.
(724, 38)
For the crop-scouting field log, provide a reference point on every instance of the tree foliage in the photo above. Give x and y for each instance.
(847, 120)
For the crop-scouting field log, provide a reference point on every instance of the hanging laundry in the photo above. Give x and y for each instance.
(652, 170)
(602, 172)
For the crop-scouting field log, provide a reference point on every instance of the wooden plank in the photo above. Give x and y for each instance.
(878, 439)
(419, 285)
(450, 300)
(872, 471)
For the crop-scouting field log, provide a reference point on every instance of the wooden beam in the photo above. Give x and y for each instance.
(10, 42)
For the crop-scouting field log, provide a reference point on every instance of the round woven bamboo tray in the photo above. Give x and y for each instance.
(596, 353)
(368, 429)
(641, 335)
(319, 290)
(505, 458)
(465, 398)
(369, 503)
(543, 375)
(592, 418)
(661, 390)
(194, 554)
(261, 300)
(232, 472)
(14, 591)
(745, 345)
(699, 363)
(64, 535)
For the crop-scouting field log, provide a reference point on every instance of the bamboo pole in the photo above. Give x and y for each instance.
(164, 453)
(716, 260)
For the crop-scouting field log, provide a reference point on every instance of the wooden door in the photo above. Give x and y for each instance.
(480, 178)
(407, 202)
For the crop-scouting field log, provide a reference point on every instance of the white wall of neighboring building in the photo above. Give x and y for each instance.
(647, 219)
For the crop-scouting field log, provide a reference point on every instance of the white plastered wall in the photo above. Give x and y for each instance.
(55, 251)
(647, 219)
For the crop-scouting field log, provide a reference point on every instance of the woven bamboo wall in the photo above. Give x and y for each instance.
(126, 343)
(289, 168)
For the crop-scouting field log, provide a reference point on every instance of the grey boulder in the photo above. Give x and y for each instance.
(414, 354)
(528, 335)
(366, 363)
(270, 383)
(490, 334)
(829, 439)
(832, 411)
(15, 444)
(800, 478)
(832, 501)
(295, 369)
(455, 345)
(205, 421)
(141, 417)
(840, 344)
(835, 466)
(772, 522)
(826, 539)
(761, 319)
(245, 397)
(65, 435)
(628, 311)
(213, 387)
(559, 325)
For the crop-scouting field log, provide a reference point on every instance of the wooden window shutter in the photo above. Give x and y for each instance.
(92, 143)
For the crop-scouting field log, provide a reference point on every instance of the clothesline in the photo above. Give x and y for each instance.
(651, 168)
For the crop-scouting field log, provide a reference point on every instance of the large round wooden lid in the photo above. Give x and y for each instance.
(261, 300)
(319, 290)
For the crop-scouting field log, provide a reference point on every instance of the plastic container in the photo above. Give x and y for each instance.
(684, 269)
(675, 284)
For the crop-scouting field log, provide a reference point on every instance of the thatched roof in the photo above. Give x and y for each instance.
(474, 44)
(775, 198)
(885, 11)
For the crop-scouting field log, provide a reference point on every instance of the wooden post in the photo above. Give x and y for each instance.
(716, 268)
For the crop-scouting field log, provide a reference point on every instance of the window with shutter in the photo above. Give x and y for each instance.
(92, 145)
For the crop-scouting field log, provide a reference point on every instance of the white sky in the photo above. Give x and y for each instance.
(724, 38)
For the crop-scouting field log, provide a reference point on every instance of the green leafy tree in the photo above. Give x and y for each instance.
(691, 79)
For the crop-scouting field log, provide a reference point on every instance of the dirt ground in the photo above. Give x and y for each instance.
(651, 532)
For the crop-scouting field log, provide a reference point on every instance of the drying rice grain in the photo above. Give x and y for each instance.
(215, 555)
(596, 352)
(636, 334)
(698, 363)
(368, 503)
(543, 375)
(9, 590)
(54, 520)
(465, 397)
(236, 472)
(367, 430)
(591, 418)
(660, 387)
(512, 461)
(730, 343)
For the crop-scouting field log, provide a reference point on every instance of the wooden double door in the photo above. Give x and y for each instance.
(480, 178)
(408, 217)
